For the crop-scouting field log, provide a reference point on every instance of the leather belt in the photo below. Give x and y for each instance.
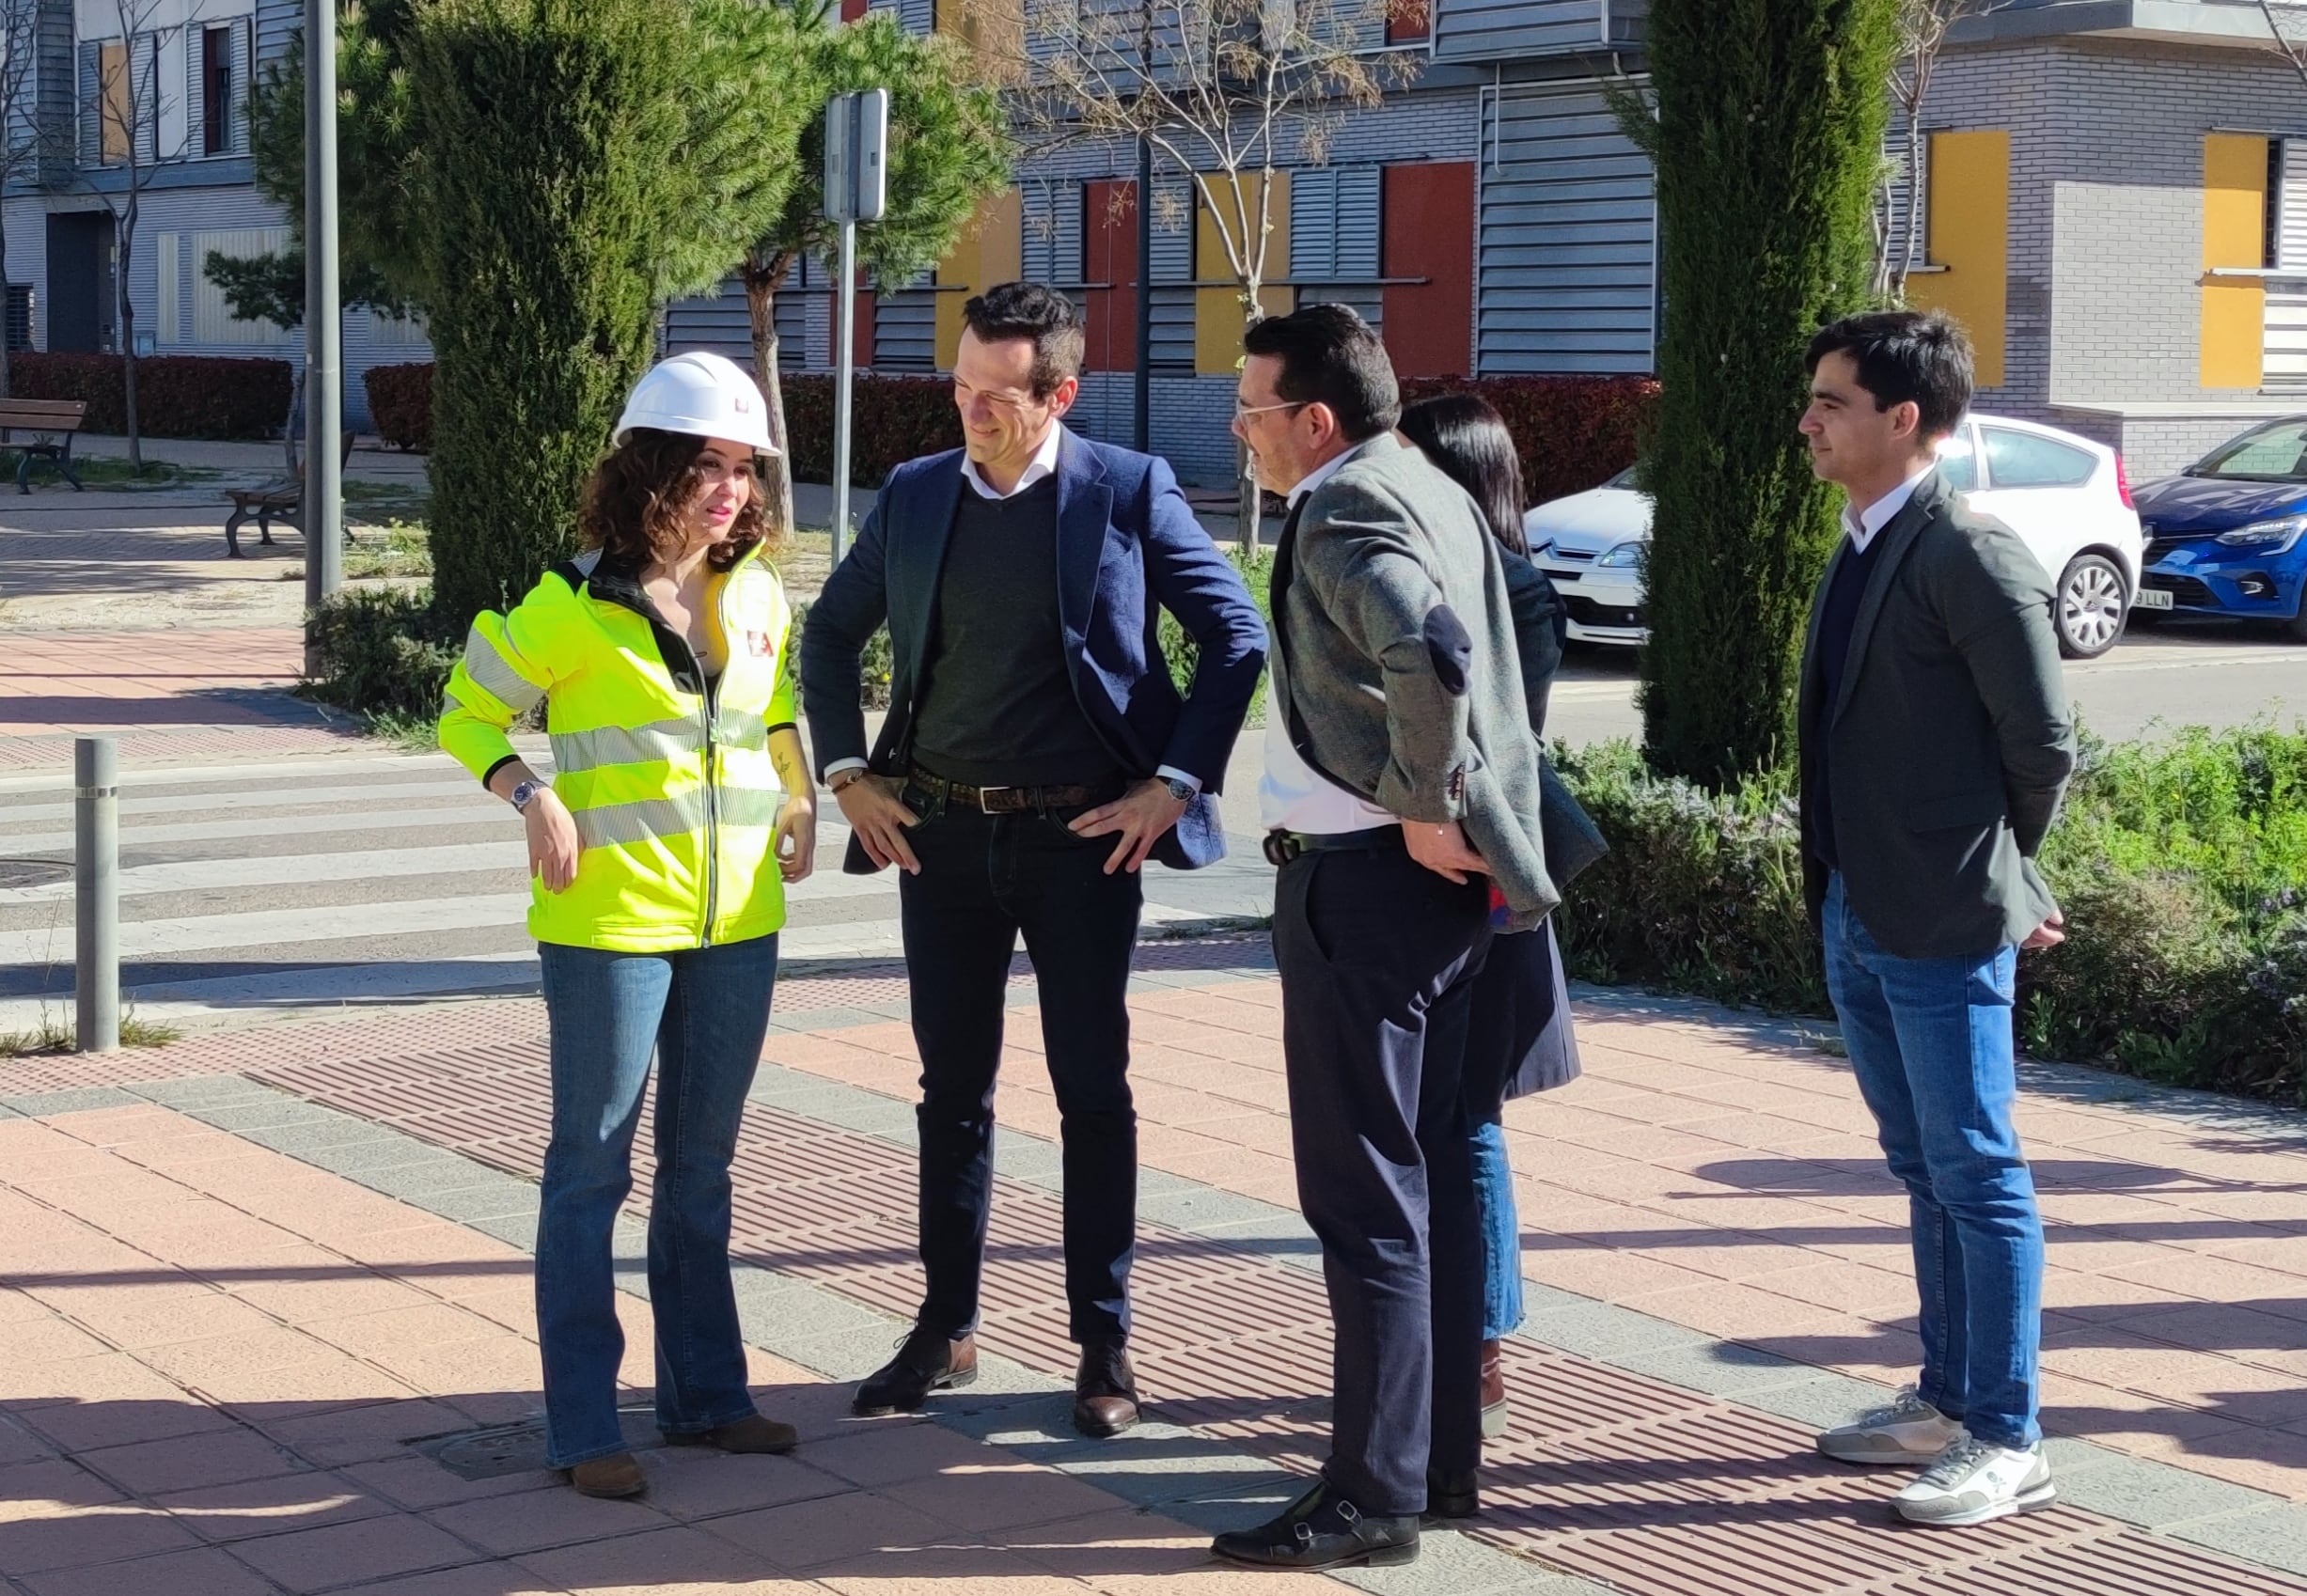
(1006, 800)
(1284, 846)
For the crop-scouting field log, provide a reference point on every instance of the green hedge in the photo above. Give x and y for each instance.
(896, 420)
(401, 403)
(382, 651)
(1572, 433)
(2179, 865)
(177, 396)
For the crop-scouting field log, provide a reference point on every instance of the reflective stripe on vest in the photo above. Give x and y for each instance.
(484, 665)
(742, 728)
(647, 820)
(625, 744)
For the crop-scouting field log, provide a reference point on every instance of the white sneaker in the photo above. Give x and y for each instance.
(1909, 1430)
(1975, 1483)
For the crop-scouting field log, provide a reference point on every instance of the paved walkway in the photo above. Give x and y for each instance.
(256, 1291)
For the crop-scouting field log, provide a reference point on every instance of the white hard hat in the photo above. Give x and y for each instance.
(708, 396)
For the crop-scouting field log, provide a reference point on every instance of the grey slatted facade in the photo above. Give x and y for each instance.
(905, 327)
(1489, 30)
(1565, 251)
(1334, 238)
(717, 322)
(1051, 229)
(278, 26)
(1173, 297)
(56, 93)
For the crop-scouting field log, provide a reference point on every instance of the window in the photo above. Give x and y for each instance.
(215, 91)
(214, 322)
(111, 109)
(1959, 460)
(2277, 453)
(2027, 460)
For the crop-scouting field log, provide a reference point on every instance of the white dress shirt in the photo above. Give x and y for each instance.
(1291, 796)
(1043, 465)
(1883, 510)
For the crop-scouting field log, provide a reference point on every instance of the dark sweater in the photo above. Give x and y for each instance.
(1837, 619)
(997, 708)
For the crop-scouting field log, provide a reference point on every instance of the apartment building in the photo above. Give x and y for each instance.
(2114, 197)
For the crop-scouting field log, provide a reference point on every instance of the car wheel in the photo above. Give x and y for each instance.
(2088, 615)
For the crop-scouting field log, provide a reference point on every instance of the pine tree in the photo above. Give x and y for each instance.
(1766, 139)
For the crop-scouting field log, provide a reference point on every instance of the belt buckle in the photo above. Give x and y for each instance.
(985, 796)
(1279, 848)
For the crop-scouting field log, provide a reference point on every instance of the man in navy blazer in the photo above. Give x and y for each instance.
(1035, 754)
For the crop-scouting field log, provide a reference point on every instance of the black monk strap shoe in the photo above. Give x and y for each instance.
(1322, 1530)
(1453, 1493)
(925, 1362)
(1104, 1390)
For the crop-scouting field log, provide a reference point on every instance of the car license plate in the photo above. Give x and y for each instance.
(2152, 599)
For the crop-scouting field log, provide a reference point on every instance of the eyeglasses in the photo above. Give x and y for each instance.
(1244, 412)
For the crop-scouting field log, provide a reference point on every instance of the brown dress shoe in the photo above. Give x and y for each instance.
(752, 1433)
(617, 1475)
(1494, 1414)
(925, 1362)
(1104, 1390)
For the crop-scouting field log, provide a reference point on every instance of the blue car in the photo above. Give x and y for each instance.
(2224, 536)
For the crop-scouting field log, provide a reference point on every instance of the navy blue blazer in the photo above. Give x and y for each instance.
(1128, 548)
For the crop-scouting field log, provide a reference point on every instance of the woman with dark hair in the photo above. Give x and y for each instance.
(1520, 1039)
(679, 807)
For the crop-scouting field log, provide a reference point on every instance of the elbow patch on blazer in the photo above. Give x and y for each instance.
(1450, 648)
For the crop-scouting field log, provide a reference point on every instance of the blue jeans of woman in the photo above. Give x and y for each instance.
(1930, 1041)
(703, 1014)
(1501, 1232)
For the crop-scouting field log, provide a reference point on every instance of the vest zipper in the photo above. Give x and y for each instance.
(713, 818)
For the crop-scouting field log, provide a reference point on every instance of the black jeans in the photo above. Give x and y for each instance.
(1379, 958)
(984, 880)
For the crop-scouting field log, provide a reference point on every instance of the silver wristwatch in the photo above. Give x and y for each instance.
(524, 794)
(1184, 791)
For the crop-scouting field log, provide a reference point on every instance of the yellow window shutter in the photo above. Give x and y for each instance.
(1218, 311)
(1967, 218)
(989, 250)
(2234, 202)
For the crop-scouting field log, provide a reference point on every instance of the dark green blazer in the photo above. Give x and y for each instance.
(1949, 743)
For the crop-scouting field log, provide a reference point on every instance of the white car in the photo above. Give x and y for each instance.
(2065, 496)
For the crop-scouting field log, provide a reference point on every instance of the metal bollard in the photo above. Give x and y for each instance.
(96, 893)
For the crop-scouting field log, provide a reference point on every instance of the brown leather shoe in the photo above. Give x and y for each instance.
(925, 1362)
(617, 1475)
(1104, 1390)
(1494, 1414)
(752, 1433)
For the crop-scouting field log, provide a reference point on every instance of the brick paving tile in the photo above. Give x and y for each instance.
(670, 1559)
(306, 1560)
(801, 1536)
(255, 1508)
(510, 1525)
(204, 1573)
(224, 1458)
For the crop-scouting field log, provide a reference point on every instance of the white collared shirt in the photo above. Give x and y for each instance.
(1883, 510)
(1043, 464)
(1291, 795)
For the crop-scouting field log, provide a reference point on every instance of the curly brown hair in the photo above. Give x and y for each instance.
(637, 497)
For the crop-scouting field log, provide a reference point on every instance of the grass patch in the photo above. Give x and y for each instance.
(105, 472)
(409, 729)
(53, 1036)
(397, 548)
(389, 500)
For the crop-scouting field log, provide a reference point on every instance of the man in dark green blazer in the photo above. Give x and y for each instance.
(1936, 743)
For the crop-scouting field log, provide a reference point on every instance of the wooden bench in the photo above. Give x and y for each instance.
(282, 498)
(50, 424)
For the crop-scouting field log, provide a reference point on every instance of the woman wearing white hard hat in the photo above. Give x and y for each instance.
(679, 807)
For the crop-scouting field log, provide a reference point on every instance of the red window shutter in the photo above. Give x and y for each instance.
(853, 10)
(1109, 255)
(863, 321)
(1427, 231)
(1407, 21)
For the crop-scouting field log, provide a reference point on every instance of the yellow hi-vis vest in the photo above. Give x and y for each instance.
(673, 794)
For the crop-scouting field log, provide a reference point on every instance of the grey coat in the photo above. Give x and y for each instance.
(1395, 667)
(1950, 743)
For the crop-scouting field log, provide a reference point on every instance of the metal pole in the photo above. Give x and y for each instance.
(1141, 381)
(96, 893)
(323, 506)
(844, 360)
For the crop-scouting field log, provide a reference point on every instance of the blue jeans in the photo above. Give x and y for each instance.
(1930, 1041)
(704, 1012)
(1502, 1232)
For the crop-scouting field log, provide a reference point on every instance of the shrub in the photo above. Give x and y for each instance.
(401, 403)
(177, 396)
(895, 419)
(2178, 866)
(382, 651)
(1183, 653)
(1573, 433)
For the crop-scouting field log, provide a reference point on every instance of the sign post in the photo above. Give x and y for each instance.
(322, 507)
(856, 190)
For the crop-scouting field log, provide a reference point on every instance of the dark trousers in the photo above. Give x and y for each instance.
(985, 881)
(1379, 958)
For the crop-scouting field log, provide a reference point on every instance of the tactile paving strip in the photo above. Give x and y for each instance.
(1650, 1488)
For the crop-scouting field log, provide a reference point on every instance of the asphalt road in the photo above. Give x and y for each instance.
(2180, 674)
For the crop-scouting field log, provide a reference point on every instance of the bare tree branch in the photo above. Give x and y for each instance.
(1922, 29)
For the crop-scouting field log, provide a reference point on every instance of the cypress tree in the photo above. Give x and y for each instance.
(1766, 141)
(548, 175)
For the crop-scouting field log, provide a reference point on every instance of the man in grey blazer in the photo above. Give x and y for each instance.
(1401, 780)
(1936, 743)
